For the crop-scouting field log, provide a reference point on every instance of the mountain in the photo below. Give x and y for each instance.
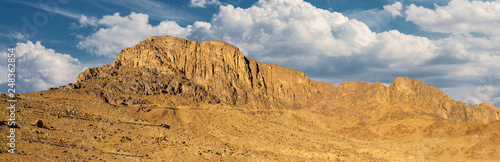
(221, 73)
(221, 69)
(176, 99)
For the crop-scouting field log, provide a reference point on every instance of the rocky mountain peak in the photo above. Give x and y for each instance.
(405, 84)
(404, 89)
(221, 69)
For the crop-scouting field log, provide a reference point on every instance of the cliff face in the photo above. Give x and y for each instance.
(215, 71)
(222, 70)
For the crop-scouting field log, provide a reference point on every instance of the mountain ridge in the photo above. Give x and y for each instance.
(224, 72)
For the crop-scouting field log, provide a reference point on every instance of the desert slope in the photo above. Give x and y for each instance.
(174, 99)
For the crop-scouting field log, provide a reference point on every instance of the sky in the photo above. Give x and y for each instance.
(453, 45)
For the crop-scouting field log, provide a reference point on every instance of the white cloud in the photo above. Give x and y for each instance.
(458, 17)
(119, 32)
(403, 50)
(204, 3)
(471, 48)
(282, 30)
(18, 35)
(87, 21)
(267, 23)
(39, 68)
(394, 9)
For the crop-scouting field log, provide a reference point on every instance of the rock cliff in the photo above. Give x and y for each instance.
(221, 69)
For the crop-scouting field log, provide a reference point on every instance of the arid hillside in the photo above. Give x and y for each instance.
(174, 99)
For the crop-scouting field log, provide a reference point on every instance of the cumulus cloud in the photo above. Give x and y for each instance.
(394, 9)
(267, 29)
(458, 17)
(39, 68)
(297, 34)
(329, 46)
(403, 50)
(87, 21)
(119, 32)
(204, 3)
(277, 31)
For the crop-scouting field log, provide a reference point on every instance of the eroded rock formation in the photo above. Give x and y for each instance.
(216, 71)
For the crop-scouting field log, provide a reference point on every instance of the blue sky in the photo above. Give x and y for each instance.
(453, 45)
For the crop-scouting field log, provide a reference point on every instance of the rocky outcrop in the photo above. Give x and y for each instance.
(221, 69)
(410, 96)
(214, 71)
(415, 93)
